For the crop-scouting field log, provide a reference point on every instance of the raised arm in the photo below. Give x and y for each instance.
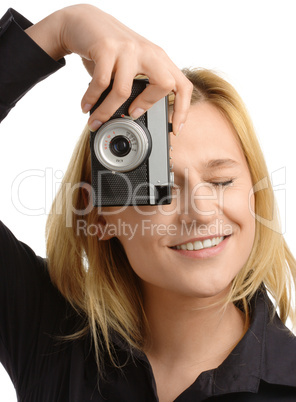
(110, 49)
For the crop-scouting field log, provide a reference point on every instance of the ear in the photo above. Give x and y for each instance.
(105, 231)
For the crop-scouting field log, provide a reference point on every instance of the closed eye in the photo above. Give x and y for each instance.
(222, 183)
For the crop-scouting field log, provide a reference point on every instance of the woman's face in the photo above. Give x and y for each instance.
(198, 244)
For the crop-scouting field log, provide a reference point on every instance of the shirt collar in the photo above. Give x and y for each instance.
(266, 352)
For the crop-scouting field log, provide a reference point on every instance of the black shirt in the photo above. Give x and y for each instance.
(33, 314)
(22, 62)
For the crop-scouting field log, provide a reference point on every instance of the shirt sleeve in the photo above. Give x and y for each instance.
(31, 310)
(22, 62)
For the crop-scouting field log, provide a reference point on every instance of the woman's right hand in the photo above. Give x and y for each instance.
(111, 50)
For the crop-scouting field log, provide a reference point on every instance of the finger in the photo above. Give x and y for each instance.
(101, 79)
(121, 91)
(151, 94)
(182, 103)
(163, 76)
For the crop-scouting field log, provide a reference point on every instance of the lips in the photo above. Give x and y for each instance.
(200, 244)
(202, 247)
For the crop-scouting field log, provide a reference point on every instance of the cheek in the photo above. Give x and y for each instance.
(238, 203)
(239, 208)
(147, 250)
(141, 255)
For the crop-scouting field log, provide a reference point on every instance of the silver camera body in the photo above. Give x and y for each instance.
(130, 161)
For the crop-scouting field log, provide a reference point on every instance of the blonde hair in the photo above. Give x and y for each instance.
(96, 277)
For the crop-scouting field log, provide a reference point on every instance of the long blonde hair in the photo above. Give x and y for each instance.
(96, 277)
(271, 262)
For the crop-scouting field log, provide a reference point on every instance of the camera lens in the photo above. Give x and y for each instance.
(120, 146)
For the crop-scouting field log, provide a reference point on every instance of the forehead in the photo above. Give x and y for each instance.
(207, 140)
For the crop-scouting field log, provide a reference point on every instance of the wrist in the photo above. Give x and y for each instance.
(48, 35)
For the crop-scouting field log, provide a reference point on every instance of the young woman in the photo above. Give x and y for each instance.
(151, 303)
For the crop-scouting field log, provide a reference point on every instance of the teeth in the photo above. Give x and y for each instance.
(207, 243)
(198, 245)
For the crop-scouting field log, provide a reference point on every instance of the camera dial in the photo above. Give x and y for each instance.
(121, 144)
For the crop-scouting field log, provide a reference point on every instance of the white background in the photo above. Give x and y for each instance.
(250, 42)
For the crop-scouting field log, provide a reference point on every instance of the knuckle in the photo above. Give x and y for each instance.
(188, 86)
(123, 90)
(185, 87)
(168, 83)
(153, 52)
(108, 44)
(159, 50)
(129, 46)
(102, 81)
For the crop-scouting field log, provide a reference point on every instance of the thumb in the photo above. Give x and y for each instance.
(89, 66)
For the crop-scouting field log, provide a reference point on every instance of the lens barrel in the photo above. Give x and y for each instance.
(120, 146)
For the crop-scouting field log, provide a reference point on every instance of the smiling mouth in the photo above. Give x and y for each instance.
(200, 244)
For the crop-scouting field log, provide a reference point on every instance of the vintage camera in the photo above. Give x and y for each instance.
(130, 162)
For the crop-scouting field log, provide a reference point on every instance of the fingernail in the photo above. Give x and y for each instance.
(136, 113)
(94, 125)
(180, 129)
(86, 108)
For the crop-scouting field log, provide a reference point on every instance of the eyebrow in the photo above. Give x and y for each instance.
(220, 163)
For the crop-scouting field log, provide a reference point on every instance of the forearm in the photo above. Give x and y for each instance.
(22, 62)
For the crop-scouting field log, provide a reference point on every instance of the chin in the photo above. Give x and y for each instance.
(209, 290)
